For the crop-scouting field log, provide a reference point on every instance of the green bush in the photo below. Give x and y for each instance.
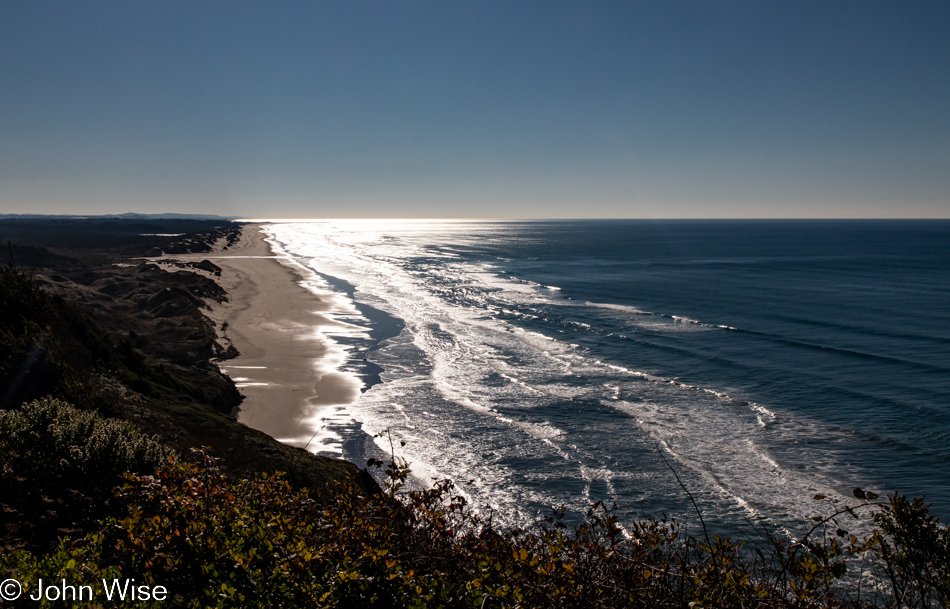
(216, 542)
(58, 466)
(213, 542)
(49, 439)
(915, 550)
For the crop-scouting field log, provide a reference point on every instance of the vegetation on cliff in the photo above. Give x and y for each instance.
(213, 540)
(119, 336)
(99, 480)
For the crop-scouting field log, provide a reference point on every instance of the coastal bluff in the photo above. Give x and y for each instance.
(91, 321)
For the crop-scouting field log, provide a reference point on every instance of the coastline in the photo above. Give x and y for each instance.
(288, 371)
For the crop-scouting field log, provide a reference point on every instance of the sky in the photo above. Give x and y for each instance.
(487, 109)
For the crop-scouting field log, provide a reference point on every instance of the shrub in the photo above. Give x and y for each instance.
(216, 542)
(260, 543)
(58, 465)
(915, 550)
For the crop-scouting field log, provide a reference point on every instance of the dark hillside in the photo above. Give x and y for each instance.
(98, 237)
(123, 338)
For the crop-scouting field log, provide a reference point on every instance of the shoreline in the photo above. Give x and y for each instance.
(288, 370)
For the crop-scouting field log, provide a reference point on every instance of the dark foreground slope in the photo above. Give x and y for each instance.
(84, 320)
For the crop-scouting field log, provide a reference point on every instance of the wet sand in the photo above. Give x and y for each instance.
(287, 370)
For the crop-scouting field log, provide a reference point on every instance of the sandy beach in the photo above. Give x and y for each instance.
(287, 369)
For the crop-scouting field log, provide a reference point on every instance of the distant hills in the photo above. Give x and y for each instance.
(125, 216)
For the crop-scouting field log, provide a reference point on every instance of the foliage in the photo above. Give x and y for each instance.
(916, 553)
(59, 464)
(54, 347)
(50, 440)
(214, 542)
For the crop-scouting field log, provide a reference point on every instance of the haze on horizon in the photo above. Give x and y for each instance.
(492, 109)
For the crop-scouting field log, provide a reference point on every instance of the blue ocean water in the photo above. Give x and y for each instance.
(559, 363)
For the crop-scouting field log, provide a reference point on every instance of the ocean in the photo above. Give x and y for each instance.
(542, 364)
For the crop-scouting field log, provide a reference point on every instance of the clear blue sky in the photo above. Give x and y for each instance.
(402, 108)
